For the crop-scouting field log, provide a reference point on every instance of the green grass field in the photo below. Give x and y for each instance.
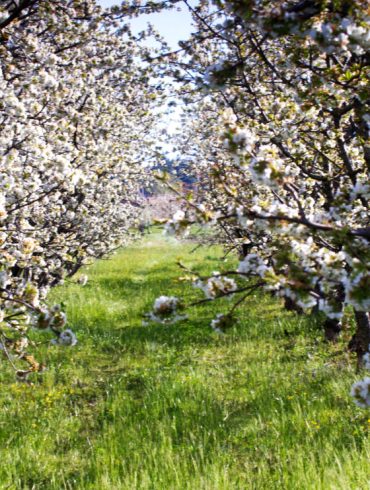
(265, 406)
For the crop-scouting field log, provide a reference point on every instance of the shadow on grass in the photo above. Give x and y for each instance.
(180, 335)
(120, 287)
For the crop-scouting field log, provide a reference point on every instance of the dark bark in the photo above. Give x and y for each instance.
(290, 305)
(74, 269)
(361, 339)
(332, 329)
(333, 326)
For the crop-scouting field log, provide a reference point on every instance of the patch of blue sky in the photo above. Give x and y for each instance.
(173, 25)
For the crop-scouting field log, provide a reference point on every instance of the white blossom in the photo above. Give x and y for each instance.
(360, 391)
(66, 338)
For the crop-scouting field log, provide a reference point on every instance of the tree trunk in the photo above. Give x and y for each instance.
(332, 329)
(361, 339)
(332, 326)
(290, 305)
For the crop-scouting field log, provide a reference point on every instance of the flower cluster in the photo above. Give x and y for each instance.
(83, 280)
(178, 224)
(166, 310)
(361, 389)
(361, 393)
(66, 338)
(221, 323)
(217, 286)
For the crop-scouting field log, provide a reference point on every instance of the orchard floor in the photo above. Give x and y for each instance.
(265, 406)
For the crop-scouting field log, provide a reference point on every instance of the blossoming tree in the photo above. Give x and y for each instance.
(282, 147)
(76, 115)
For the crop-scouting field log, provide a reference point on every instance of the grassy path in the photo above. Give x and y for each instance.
(179, 407)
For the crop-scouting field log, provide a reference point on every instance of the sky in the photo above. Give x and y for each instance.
(174, 26)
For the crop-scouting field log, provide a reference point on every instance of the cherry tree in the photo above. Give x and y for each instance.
(279, 115)
(77, 116)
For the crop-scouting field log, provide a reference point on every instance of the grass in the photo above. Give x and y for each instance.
(265, 406)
